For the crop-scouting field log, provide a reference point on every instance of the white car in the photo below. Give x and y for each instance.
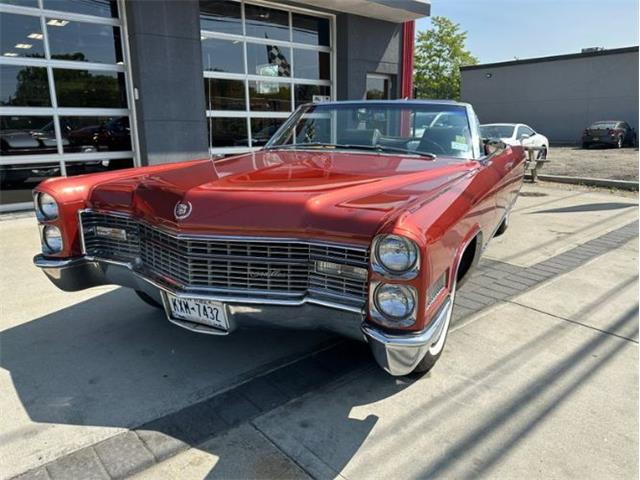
(516, 134)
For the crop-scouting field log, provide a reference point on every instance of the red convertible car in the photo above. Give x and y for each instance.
(351, 219)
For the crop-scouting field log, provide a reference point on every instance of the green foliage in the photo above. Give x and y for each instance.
(439, 53)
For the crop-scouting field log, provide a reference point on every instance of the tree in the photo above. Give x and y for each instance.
(439, 53)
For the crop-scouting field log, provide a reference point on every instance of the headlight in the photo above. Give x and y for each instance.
(396, 302)
(52, 239)
(396, 254)
(46, 206)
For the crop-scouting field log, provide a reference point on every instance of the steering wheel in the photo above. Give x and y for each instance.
(431, 146)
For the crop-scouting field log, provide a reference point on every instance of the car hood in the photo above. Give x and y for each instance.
(336, 195)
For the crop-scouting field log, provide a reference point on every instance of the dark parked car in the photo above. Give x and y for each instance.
(615, 133)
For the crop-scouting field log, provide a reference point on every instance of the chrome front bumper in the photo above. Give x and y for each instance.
(398, 354)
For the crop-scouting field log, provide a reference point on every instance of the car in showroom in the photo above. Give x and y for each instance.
(612, 133)
(346, 221)
(517, 134)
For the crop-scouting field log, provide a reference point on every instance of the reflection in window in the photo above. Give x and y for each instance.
(311, 30)
(222, 55)
(221, 16)
(100, 8)
(270, 96)
(22, 3)
(306, 93)
(84, 42)
(378, 87)
(268, 60)
(95, 134)
(228, 132)
(24, 86)
(224, 94)
(18, 180)
(20, 36)
(88, 88)
(312, 65)
(95, 166)
(21, 135)
(263, 22)
(263, 128)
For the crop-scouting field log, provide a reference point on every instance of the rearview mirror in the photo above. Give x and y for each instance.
(524, 136)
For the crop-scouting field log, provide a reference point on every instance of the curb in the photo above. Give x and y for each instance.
(590, 182)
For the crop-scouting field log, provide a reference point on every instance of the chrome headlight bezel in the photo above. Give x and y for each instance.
(47, 208)
(54, 244)
(378, 265)
(378, 314)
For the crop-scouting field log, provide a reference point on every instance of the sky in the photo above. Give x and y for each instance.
(501, 30)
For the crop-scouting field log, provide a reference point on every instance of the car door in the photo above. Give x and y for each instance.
(528, 137)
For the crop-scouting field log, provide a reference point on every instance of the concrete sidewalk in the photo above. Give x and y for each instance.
(538, 379)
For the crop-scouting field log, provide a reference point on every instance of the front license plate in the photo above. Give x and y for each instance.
(206, 312)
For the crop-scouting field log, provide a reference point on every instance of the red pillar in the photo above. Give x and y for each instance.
(406, 74)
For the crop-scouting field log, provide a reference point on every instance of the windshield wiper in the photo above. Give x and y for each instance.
(377, 148)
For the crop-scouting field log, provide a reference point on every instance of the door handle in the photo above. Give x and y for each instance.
(508, 166)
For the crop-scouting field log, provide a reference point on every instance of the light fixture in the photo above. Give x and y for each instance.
(54, 22)
(35, 36)
(10, 54)
(24, 46)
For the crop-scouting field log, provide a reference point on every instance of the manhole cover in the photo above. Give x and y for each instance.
(533, 194)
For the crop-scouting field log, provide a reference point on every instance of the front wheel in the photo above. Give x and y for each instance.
(434, 352)
(148, 299)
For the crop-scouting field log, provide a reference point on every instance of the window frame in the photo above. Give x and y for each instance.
(292, 81)
(57, 112)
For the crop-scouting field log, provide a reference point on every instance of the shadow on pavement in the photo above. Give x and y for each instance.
(588, 207)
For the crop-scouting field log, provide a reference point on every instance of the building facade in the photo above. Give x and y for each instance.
(95, 85)
(559, 96)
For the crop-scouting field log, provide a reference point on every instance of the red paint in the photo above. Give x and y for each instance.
(406, 75)
(336, 196)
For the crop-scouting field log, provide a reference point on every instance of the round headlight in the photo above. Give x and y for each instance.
(396, 254)
(395, 301)
(52, 238)
(47, 206)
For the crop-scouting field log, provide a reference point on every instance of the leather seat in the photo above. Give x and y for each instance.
(354, 136)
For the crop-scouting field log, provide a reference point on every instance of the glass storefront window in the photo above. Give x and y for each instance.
(263, 128)
(311, 30)
(222, 55)
(221, 16)
(222, 94)
(268, 60)
(306, 93)
(20, 36)
(228, 132)
(267, 23)
(88, 88)
(27, 135)
(24, 86)
(278, 58)
(84, 42)
(32, 147)
(270, 96)
(95, 134)
(99, 8)
(311, 64)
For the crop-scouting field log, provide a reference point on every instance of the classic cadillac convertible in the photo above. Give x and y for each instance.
(356, 218)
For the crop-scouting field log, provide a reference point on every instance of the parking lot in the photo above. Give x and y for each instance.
(608, 163)
(539, 376)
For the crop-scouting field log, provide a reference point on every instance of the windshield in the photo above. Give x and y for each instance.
(496, 131)
(418, 129)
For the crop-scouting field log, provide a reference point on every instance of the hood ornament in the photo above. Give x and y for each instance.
(182, 210)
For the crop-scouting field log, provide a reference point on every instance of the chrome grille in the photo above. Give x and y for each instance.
(238, 266)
